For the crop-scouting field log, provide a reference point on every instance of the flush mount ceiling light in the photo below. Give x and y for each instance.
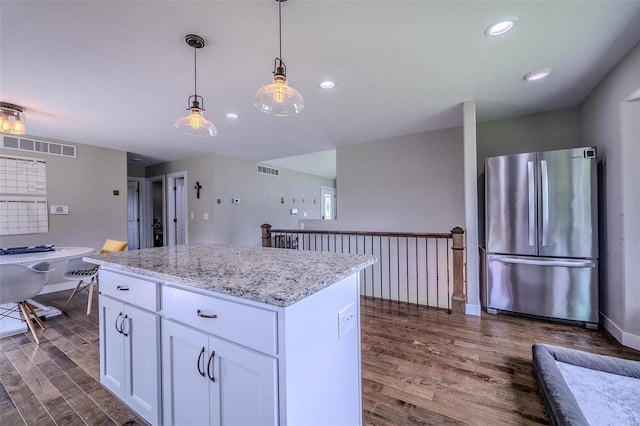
(195, 124)
(12, 119)
(327, 85)
(232, 115)
(278, 98)
(500, 27)
(537, 75)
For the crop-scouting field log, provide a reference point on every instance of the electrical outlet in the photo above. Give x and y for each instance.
(346, 320)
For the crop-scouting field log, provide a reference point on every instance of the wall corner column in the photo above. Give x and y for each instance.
(471, 207)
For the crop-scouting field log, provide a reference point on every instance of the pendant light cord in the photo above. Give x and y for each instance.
(280, 26)
(195, 76)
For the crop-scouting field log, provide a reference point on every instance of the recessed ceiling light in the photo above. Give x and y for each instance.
(232, 115)
(537, 75)
(327, 84)
(500, 27)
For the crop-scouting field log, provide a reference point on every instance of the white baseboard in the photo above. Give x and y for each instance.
(473, 309)
(625, 338)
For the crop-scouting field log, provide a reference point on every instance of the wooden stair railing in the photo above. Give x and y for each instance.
(363, 241)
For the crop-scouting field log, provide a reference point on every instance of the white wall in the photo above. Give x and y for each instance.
(86, 185)
(601, 124)
(226, 178)
(411, 183)
(260, 200)
(536, 132)
(199, 168)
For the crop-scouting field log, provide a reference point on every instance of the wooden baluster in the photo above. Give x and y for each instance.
(459, 296)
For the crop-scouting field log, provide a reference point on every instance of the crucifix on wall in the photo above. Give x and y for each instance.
(197, 188)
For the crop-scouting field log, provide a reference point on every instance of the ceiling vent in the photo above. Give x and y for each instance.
(266, 170)
(32, 145)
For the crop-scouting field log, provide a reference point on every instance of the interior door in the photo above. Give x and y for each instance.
(568, 203)
(176, 209)
(133, 216)
(511, 191)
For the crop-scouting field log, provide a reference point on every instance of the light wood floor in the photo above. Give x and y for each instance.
(419, 367)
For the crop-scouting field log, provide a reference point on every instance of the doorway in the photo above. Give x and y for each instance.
(327, 203)
(155, 212)
(176, 209)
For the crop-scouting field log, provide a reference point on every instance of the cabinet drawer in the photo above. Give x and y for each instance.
(249, 326)
(133, 290)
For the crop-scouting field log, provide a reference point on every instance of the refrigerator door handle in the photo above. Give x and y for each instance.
(538, 262)
(545, 201)
(532, 203)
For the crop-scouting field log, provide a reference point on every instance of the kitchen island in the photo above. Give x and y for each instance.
(211, 334)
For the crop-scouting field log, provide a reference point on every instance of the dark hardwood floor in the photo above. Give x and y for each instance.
(419, 367)
(58, 381)
(422, 366)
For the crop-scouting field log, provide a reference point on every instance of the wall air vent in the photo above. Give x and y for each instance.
(267, 170)
(42, 147)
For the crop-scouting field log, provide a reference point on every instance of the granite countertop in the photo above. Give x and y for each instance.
(275, 276)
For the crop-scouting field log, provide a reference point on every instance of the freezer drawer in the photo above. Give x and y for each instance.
(549, 287)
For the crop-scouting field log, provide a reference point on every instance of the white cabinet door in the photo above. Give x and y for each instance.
(141, 332)
(111, 346)
(129, 360)
(185, 384)
(245, 391)
(211, 381)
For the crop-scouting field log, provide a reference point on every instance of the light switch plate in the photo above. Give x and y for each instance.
(346, 320)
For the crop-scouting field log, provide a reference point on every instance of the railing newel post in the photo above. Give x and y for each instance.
(459, 296)
(266, 235)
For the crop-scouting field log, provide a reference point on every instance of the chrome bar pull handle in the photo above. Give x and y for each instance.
(532, 202)
(203, 315)
(545, 201)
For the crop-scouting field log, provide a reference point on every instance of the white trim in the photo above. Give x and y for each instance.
(471, 309)
(625, 338)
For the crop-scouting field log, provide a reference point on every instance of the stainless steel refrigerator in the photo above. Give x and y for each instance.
(542, 234)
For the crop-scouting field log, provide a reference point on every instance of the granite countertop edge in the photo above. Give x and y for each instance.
(273, 296)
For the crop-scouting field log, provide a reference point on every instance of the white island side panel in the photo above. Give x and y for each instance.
(321, 371)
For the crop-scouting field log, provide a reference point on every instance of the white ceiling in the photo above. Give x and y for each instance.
(118, 73)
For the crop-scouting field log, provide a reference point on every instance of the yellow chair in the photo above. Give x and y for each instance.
(88, 272)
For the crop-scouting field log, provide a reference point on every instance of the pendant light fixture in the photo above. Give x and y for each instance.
(278, 98)
(12, 119)
(194, 123)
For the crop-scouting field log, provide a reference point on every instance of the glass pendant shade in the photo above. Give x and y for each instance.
(12, 119)
(195, 124)
(278, 98)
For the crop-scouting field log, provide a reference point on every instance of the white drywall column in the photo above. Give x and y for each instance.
(471, 207)
(630, 225)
